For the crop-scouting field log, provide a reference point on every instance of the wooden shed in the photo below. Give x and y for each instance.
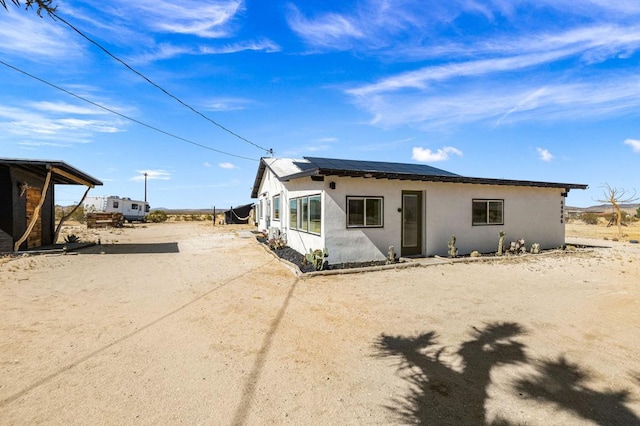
(27, 200)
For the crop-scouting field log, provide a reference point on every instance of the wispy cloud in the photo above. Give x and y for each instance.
(151, 175)
(203, 19)
(165, 51)
(57, 128)
(509, 102)
(65, 108)
(226, 104)
(425, 155)
(206, 164)
(263, 45)
(544, 154)
(634, 144)
(38, 38)
(328, 139)
(330, 30)
(227, 166)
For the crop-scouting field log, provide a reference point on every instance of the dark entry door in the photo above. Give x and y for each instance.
(411, 223)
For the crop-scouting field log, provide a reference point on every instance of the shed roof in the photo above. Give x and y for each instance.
(62, 173)
(287, 169)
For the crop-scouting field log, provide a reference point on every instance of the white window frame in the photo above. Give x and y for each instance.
(302, 221)
(276, 207)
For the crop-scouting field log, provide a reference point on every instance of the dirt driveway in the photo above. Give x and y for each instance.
(184, 323)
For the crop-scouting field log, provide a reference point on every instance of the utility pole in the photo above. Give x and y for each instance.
(145, 189)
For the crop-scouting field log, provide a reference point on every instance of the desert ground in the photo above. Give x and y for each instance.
(187, 323)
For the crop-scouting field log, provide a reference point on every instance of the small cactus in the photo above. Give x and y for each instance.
(391, 255)
(72, 239)
(501, 244)
(316, 258)
(453, 251)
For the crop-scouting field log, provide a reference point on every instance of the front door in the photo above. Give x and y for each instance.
(411, 223)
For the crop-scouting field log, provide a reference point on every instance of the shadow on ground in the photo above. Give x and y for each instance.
(131, 248)
(440, 394)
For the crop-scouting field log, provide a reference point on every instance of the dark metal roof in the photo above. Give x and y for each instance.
(335, 167)
(314, 166)
(62, 172)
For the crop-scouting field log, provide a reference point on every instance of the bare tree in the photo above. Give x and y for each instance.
(615, 197)
(28, 4)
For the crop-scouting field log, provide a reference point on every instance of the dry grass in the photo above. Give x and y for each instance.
(602, 231)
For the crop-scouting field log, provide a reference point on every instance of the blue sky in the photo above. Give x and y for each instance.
(535, 90)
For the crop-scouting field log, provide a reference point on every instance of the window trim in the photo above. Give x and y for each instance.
(299, 226)
(293, 224)
(276, 207)
(487, 201)
(319, 197)
(364, 198)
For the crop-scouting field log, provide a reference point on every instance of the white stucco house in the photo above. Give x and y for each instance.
(357, 209)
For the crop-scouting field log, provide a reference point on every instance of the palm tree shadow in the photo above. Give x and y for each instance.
(563, 384)
(440, 394)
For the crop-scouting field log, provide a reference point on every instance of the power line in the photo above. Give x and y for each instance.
(90, 40)
(122, 115)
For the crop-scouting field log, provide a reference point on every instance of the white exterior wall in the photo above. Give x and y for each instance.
(300, 241)
(531, 213)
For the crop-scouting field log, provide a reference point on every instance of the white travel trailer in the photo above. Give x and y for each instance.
(132, 210)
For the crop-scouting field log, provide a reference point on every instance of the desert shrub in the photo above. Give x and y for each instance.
(79, 215)
(195, 217)
(589, 218)
(157, 216)
(638, 213)
(208, 217)
(612, 217)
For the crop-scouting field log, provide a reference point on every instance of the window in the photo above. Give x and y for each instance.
(364, 212)
(260, 209)
(305, 214)
(115, 204)
(147, 208)
(315, 214)
(488, 212)
(293, 214)
(134, 207)
(276, 207)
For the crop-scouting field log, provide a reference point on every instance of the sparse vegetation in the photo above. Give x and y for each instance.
(157, 216)
(78, 215)
(72, 238)
(615, 197)
(589, 218)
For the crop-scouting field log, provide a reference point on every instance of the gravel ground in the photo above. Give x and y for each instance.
(189, 324)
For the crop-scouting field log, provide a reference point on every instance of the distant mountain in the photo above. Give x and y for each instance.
(605, 207)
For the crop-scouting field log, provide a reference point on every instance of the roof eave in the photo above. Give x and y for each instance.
(432, 178)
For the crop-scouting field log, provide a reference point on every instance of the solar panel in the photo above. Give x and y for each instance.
(377, 167)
